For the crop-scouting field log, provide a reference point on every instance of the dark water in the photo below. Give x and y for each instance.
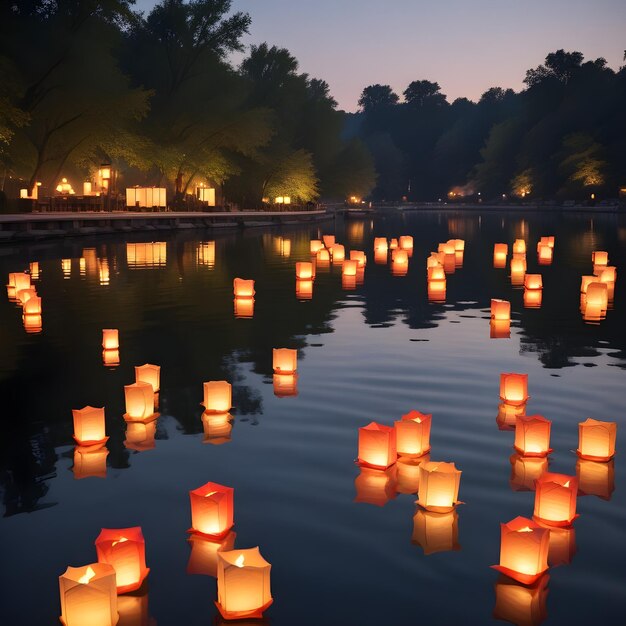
(369, 354)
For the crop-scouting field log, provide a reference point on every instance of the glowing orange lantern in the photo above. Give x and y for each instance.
(88, 595)
(125, 550)
(140, 436)
(555, 499)
(413, 434)
(34, 270)
(436, 273)
(434, 260)
(525, 471)
(377, 446)
(375, 486)
(597, 296)
(447, 248)
(24, 295)
(500, 310)
(32, 306)
(89, 426)
(212, 508)
(380, 256)
(596, 478)
(203, 557)
(393, 244)
(150, 374)
(439, 486)
(323, 258)
(111, 357)
(304, 270)
(499, 329)
(359, 257)
(600, 257)
(380, 243)
(585, 282)
(243, 584)
(408, 473)
(315, 246)
(406, 243)
(514, 388)
(436, 290)
(533, 298)
(19, 280)
(518, 266)
(244, 307)
(139, 402)
(90, 462)
(533, 281)
(500, 253)
(523, 550)
(285, 360)
(110, 339)
(436, 532)
(524, 605)
(532, 435)
(608, 274)
(596, 440)
(399, 262)
(285, 385)
(304, 289)
(217, 396)
(519, 246)
(218, 428)
(349, 268)
(338, 253)
(243, 288)
(544, 254)
(329, 241)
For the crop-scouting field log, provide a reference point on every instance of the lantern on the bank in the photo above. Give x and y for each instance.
(359, 257)
(284, 360)
(125, 550)
(523, 550)
(217, 396)
(413, 434)
(600, 257)
(338, 253)
(436, 273)
(399, 262)
(285, 385)
(439, 486)
(555, 499)
(304, 270)
(243, 288)
(349, 268)
(408, 473)
(212, 510)
(500, 253)
(533, 281)
(596, 440)
(533, 298)
(88, 595)
(524, 605)
(244, 307)
(32, 306)
(375, 486)
(544, 254)
(140, 436)
(204, 551)
(329, 241)
(90, 462)
(525, 470)
(500, 310)
(532, 435)
(304, 289)
(514, 388)
(436, 532)
(110, 339)
(596, 478)
(139, 401)
(315, 246)
(377, 446)
(519, 246)
(243, 584)
(89, 426)
(150, 374)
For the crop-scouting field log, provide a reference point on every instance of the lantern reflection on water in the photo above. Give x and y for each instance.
(562, 547)
(518, 271)
(304, 289)
(377, 446)
(413, 434)
(596, 478)
(322, 260)
(150, 374)
(218, 428)
(436, 291)
(32, 323)
(596, 440)
(519, 246)
(212, 510)
(375, 486)
(243, 584)
(439, 486)
(89, 426)
(90, 462)
(285, 385)
(125, 550)
(408, 473)
(34, 270)
(507, 415)
(533, 298)
(555, 499)
(133, 609)
(111, 357)
(532, 435)
(499, 329)
(349, 268)
(523, 605)
(140, 436)
(436, 532)
(525, 470)
(244, 307)
(204, 551)
(66, 268)
(139, 402)
(217, 396)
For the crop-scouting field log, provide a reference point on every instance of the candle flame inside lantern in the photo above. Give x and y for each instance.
(89, 574)
(240, 560)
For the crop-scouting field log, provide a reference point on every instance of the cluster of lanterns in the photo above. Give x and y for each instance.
(597, 290)
(21, 290)
(446, 260)
(325, 251)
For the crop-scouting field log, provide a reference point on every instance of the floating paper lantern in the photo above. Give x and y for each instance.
(523, 605)
(304, 289)
(533, 298)
(380, 256)
(24, 295)
(436, 273)
(125, 550)
(204, 551)
(359, 257)
(439, 486)
(110, 339)
(111, 357)
(140, 436)
(562, 547)
(546, 241)
(514, 388)
(285, 385)
(243, 288)
(304, 270)
(90, 462)
(244, 307)
(349, 268)
(32, 306)
(499, 329)
(500, 310)
(518, 266)
(338, 253)
(555, 499)
(375, 486)
(408, 473)
(243, 584)
(212, 507)
(500, 253)
(406, 243)
(315, 246)
(596, 478)
(217, 396)
(597, 296)
(150, 374)
(600, 257)
(399, 262)
(608, 274)
(533, 281)
(19, 281)
(447, 248)
(217, 427)
(413, 434)
(532, 435)
(393, 244)
(329, 241)
(523, 550)
(285, 360)
(586, 281)
(139, 402)
(459, 245)
(519, 246)
(323, 258)
(436, 532)
(596, 440)
(434, 260)
(544, 254)
(88, 595)
(436, 290)
(525, 470)
(507, 414)
(380, 244)
(89, 426)
(377, 446)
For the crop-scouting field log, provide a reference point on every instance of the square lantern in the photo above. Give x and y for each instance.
(329, 241)
(32, 306)
(596, 440)
(436, 532)
(533, 281)
(375, 486)
(523, 605)
(380, 256)
(243, 584)
(500, 253)
(315, 246)
(338, 253)
(525, 470)
(244, 308)
(88, 595)
(285, 385)
(89, 426)
(399, 262)
(304, 289)
(446, 248)
(533, 298)
(435, 273)
(90, 462)
(380, 243)
(204, 551)
(523, 550)
(532, 435)
(285, 360)
(436, 291)
(500, 310)
(150, 374)
(518, 266)
(304, 270)
(139, 402)
(322, 259)
(218, 396)
(600, 257)
(110, 339)
(519, 246)
(555, 499)
(406, 243)
(377, 446)
(413, 434)
(439, 486)
(125, 550)
(393, 244)
(359, 257)
(597, 296)
(544, 254)
(349, 268)
(212, 510)
(243, 288)
(608, 274)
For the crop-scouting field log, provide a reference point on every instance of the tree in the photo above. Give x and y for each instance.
(420, 93)
(581, 160)
(377, 97)
(560, 65)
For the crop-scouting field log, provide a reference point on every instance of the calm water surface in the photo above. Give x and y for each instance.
(369, 354)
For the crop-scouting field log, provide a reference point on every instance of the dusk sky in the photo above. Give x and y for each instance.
(466, 46)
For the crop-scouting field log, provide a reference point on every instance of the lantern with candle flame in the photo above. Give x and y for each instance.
(204, 551)
(555, 499)
(338, 253)
(19, 281)
(243, 584)
(150, 374)
(500, 253)
(533, 298)
(380, 243)
(322, 259)
(596, 298)
(285, 385)
(436, 532)
(88, 595)
(244, 308)
(393, 244)
(436, 291)
(32, 306)
(408, 473)
(243, 288)
(24, 295)
(436, 273)
(315, 246)
(439, 486)
(304, 289)
(90, 462)
(525, 471)
(375, 486)
(544, 254)
(304, 270)
(212, 507)
(218, 428)
(349, 268)
(413, 434)
(523, 550)
(600, 257)
(125, 550)
(608, 274)
(110, 339)
(377, 446)
(514, 388)
(596, 478)
(519, 246)
(406, 243)
(329, 241)
(596, 440)
(285, 360)
(139, 402)
(89, 426)
(532, 435)
(500, 310)
(140, 436)
(217, 396)
(533, 281)
(523, 605)
(399, 262)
